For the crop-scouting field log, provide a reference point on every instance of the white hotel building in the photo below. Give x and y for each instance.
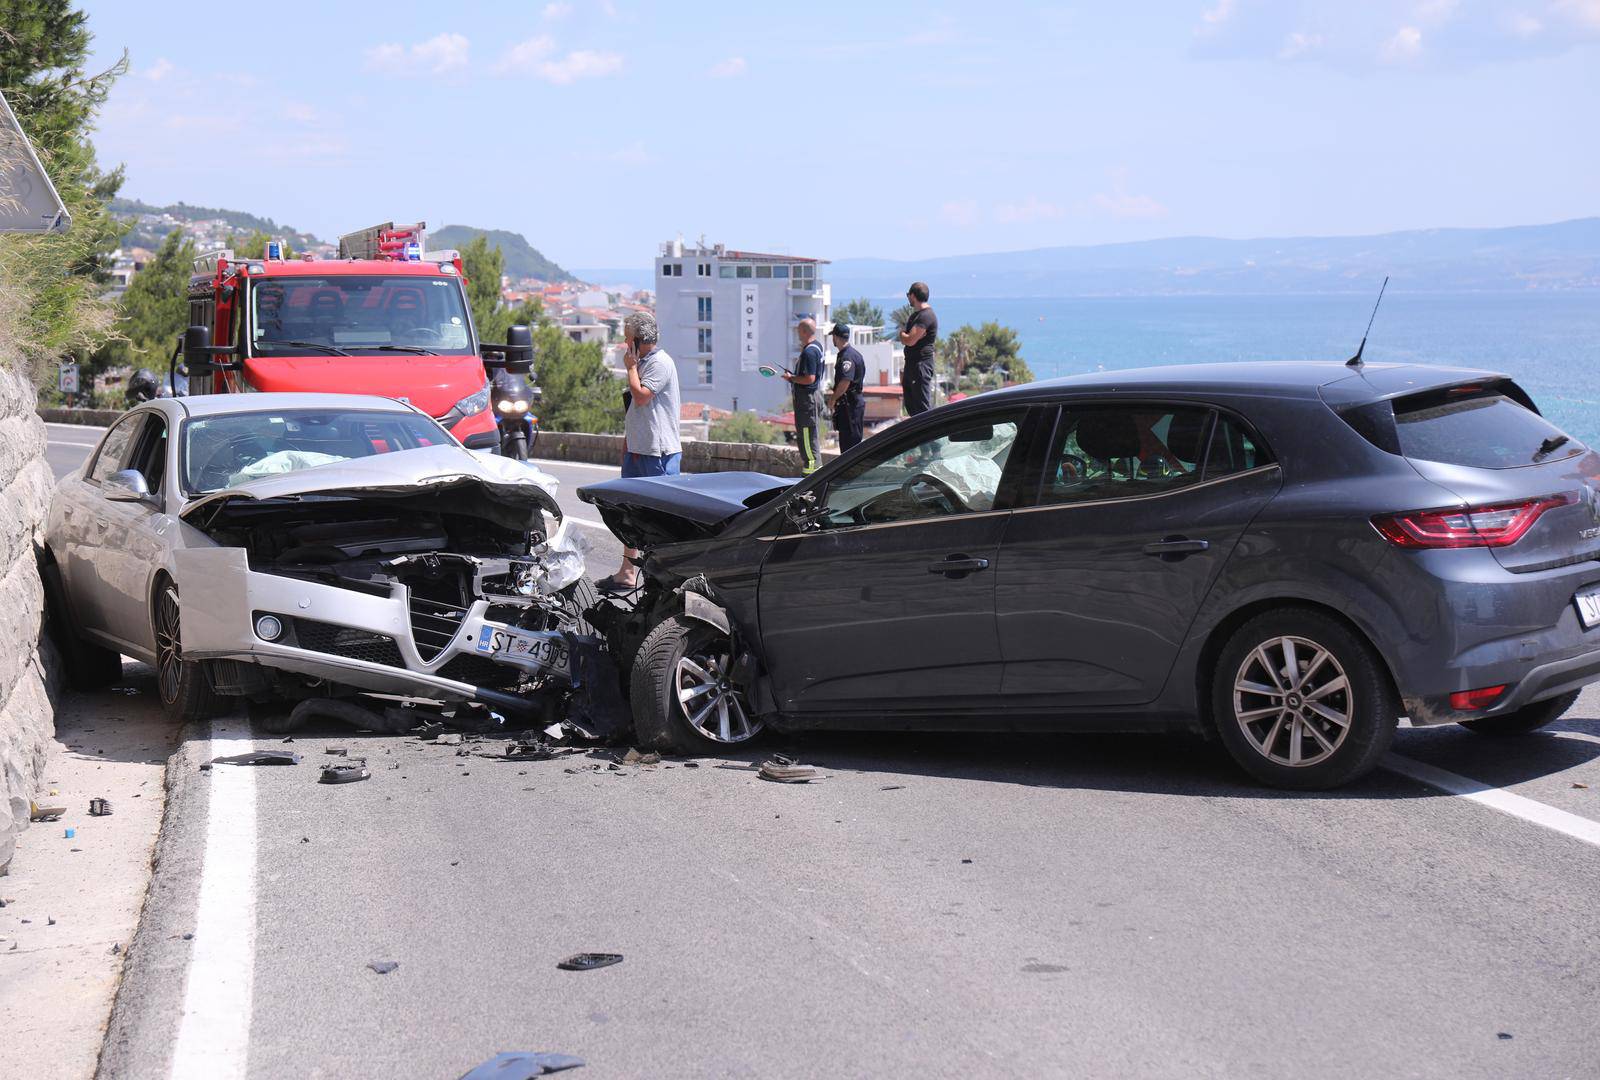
(723, 314)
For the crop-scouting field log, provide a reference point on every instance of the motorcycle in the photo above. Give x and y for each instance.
(512, 392)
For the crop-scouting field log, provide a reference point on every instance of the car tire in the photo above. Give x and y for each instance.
(578, 599)
(686, 657)
(184, 688)
(1328, 724)
(1523, 720)
(88, 666)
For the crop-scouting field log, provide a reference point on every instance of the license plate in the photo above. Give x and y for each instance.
(544, 653)
(1588, 608)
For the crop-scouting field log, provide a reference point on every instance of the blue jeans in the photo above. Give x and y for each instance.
(650, 464)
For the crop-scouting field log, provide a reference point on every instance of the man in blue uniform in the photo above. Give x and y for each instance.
(806, 380)
(844, 401)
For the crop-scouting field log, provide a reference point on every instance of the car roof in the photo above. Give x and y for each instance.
(1273, 378)
(215, 404)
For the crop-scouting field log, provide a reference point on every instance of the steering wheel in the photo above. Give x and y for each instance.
(234, 448)
(427, 332)
(949, 494)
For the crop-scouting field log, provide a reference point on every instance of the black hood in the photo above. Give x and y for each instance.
(647, 511)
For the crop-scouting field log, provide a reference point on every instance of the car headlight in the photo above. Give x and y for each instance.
(472, 406)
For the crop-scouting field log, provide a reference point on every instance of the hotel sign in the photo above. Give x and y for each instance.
(749, 328)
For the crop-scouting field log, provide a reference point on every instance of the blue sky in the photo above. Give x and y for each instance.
(846, 129)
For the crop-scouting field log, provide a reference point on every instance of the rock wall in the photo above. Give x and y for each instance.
(27, 674)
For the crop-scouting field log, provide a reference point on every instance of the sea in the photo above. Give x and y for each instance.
(1548, 341)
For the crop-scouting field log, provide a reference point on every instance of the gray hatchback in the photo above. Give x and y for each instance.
(1289, 556)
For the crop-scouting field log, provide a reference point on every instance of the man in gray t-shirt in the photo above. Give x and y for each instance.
(653, 445)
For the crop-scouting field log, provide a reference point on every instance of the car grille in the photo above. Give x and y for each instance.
(477, 671)
(348, 642)
(434, 625)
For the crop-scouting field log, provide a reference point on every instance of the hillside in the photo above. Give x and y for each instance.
(148, 233)
(523, 260)
(1561, 256)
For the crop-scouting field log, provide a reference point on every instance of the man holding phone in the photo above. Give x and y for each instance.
(918, 336)
(654, 447)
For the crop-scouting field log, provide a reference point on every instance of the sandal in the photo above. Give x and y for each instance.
(613, 584)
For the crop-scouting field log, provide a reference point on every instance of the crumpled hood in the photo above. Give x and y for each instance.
(507, 492)
(644, 511)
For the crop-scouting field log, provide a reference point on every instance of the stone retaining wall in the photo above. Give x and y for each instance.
(28, 670)
(95, 417)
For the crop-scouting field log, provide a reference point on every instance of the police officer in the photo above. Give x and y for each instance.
(806, 380)
(844, 401)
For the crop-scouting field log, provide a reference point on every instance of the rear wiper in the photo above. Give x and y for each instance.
(1551, 445)
(303, 345)
(401, 348)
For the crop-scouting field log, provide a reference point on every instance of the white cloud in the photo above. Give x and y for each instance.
(439, 55)
(301, 113)
(1119, 202)
(1405, 45)
(1028, 211)
(525, 55)
(1437, 11)
(557, 11)
(961, 213)
(730, 68)
(633, 154)
(1213, 18)
(580, 64)
(159, 70)
(1299, 43)
(1523, 25)
(1584, 12)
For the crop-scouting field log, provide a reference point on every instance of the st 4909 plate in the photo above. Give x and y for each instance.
(1588, 608)
(541, 653)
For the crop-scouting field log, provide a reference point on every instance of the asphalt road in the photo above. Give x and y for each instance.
(936, 906)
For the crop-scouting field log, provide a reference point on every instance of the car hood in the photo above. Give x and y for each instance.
(506, 492)
(647, 511)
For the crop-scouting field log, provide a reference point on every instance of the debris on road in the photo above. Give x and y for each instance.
(70, 834)
(530, 750)
(383, 967)
(786, 770)
(588, 961)
(260, 757)
(634, 757)
(346, 772)
(521, 1065)
(45, 813)
(99, 807)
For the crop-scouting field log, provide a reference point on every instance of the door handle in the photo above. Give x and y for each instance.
(958, 565)
(1177, 547)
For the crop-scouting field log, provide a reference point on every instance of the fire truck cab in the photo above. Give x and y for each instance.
(386, 317)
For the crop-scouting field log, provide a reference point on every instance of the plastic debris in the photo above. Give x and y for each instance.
(346, 772)
(1503, 1035)
(786, 770)
(383, 967)
(259, 757)
(521, 1065)
(588, 961)
(529, 750)
(45, 813)
(71, 833)
(99, 808)
(337, 751)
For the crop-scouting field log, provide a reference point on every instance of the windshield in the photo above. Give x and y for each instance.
(357, 314)
(224, 451)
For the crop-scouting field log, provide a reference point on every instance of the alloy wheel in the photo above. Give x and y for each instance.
(711, 704)
(1291, 698)
(169, 644)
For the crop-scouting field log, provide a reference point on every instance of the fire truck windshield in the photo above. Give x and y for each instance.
(356, 314)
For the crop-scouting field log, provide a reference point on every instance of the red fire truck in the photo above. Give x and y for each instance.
(386, 317)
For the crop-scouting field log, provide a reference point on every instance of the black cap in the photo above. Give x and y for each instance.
(841, 330)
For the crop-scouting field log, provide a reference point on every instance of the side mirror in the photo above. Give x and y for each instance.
(197, 351)
(519, 349)
(805, 511)
(127, 485)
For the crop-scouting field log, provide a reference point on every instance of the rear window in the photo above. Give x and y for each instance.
(1479, 427)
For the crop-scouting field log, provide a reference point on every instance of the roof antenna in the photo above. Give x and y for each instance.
(1356, 361)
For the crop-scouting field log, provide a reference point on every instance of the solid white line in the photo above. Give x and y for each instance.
(85, 445)
(578, 464)
(1537, 813)
(214, 1032)
(73, 427)
(586, 521)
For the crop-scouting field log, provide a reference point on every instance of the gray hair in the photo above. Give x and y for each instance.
(641, 326)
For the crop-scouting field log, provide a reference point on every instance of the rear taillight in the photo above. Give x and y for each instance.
(1473, 700)
(1473, 526)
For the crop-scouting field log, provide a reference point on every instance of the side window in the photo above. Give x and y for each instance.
(114, 448)
(150, 453)
(956, 470)
(1124, 452)
(1234, 449)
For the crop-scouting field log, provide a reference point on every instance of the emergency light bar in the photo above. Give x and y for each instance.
(401, 243)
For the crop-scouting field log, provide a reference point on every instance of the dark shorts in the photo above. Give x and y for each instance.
(650, 464)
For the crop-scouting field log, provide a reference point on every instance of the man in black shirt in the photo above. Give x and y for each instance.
(918, 336)
(849, 411)
(806, 380)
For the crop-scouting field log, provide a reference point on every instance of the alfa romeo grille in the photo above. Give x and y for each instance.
(434, 625)
(348, 642)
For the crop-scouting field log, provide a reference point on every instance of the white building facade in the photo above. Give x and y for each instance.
(724, 313)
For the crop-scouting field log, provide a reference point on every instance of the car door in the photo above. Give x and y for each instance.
(134, 542)
(1138, 507)
(887, 603)
(84, 524)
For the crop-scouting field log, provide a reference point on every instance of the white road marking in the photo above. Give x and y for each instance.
(578, 464)
(214, 1032)
(1537, 813)
(73, 427)
(585, 521)
(63, 442)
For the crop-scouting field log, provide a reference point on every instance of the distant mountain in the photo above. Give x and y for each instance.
(523, 260)
(148, 233)
(1528, 257)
